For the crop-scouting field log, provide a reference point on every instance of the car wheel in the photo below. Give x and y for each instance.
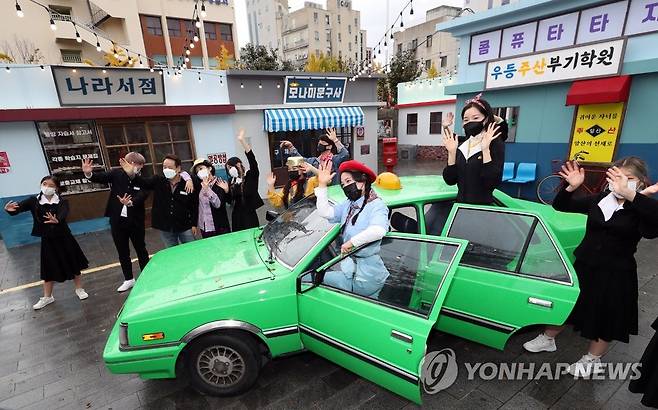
(223, 365)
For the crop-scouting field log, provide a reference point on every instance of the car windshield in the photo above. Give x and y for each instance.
(295, 232)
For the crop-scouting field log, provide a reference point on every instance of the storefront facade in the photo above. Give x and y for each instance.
(580, 76)
(298, 107)
(56, 116)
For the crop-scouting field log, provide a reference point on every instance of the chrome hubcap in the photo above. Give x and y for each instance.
(220, 366)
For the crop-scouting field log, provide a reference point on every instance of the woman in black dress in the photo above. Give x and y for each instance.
(475, 162)
(61, 256)
(617, 219)
(243, 189)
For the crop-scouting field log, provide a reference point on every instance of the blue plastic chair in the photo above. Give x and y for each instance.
(508, 171)
(526, 172)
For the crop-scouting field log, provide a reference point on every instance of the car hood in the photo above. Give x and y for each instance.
(195, 268)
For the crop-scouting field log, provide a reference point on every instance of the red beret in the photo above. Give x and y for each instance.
(356, 166)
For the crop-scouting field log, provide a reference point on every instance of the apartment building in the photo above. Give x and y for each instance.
(159, 29)
(481, 5)
(432, 48)
(313, 29)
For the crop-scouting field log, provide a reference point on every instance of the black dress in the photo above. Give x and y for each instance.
(648, 381)
(245, 197)
(475, 180)
(61, 256)
(605, 264)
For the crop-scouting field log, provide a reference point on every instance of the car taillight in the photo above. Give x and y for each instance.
(123, 335)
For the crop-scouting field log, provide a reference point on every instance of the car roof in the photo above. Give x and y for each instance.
(417, 188)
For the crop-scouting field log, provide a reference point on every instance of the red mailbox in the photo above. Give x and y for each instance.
(390, 153)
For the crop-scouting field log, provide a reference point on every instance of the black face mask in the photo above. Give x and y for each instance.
(473, 128)
(293, 175)
(352, 192)
(322, 148)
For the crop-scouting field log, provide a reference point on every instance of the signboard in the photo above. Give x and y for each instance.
(4, 162)
(595, 60)
(608, 21)
(217, 159)
(596, 132)
(66, 144)
(115, 86)
(360, 132)
(314, 90)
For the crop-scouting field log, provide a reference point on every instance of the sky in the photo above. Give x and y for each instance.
(373, 13)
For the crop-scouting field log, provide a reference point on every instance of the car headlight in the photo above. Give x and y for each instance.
(123, 335)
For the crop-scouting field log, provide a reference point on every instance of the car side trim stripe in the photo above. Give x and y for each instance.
(282, 331)
(477, 321)
(388, 367)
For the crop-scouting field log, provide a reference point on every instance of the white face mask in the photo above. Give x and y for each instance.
(169, 173)
(203, 174)
(631, 185)
(47, 190)
(137, 170)
(234, 172)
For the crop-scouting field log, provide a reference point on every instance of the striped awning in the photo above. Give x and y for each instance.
(295, 119)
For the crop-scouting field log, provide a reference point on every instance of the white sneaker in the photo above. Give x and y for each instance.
(541, 343)
(43, 302)
(126, 285)
(586, 366)
(82, 295)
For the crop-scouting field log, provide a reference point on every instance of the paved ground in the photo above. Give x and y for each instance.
(52, 358)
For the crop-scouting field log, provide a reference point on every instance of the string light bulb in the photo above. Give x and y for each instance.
(198, 22)
(151, 70)
(203, 9)
(187, 59)
(412, 8)
(187, 51)
(192, 45)
(196, 38)
(74, 70)
(260, 85)
(98, 44)
(139, 57)
(53, 26)
(104, 71)
(19, 11)
(77, 34)
(241, 85)
(8, 69)
(392, 32)
(278, 85)
(42, 67)
(160, 72)
(401, 23)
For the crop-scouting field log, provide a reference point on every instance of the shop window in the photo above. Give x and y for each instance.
(412, 124)
(225, 32)
(428, 41)
(428, 64)
(317, 35)
(153, 139)
(511, 116)
(71, 56)
(340, 39)
(60, 13)
(349, 28)
(338, 18)
(435, 122)
(326, 19)
(414, 43)
(173, 25)
(153, 25)
(211, 31)
(190, 29)
(399, 48)
(315, 17)
(443, 61)
(349, 46)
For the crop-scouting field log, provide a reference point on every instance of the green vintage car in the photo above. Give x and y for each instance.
(216, 310)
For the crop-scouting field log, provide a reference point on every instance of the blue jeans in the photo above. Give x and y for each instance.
(174, 238)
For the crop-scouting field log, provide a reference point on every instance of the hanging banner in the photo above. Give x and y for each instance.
(4, 163)
(596, 132)
(594, 60)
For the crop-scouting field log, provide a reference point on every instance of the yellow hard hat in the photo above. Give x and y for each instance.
(388, 180)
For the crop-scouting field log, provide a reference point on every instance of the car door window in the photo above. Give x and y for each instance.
(542, 258)
(436, 215)
(414, 271)
(404, 219)
(496, 239)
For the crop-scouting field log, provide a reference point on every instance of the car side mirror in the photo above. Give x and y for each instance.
(271, 215)
(309, 280)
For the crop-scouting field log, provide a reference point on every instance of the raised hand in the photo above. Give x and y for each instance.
(325, 176)
(223, 184)
(448, 120)
(331, 134)
(573, 174)
(308, 168)
(489, 135)
(11, 206)
(125, 165)
(619, 182)
(50, 218)
(271, 180)
(650, 190)
(125, 199)
(450, 141)
(88, 166)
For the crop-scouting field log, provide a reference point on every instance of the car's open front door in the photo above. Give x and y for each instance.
(381, 337)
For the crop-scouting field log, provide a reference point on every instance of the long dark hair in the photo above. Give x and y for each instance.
(360, 177)
(334, 148)
(299, 194)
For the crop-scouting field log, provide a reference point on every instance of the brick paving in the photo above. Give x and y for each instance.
(51, 359)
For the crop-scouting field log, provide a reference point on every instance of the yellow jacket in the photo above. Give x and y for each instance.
(276, 197)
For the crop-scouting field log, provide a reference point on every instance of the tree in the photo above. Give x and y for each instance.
(403, 67)
(6, 58)
(225, 60)
(121, 59)
(432, 72)
(258, 58)
(21, 51)
(323, 64)
(287, 65)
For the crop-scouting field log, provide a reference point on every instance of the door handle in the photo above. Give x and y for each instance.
(540, 302)
(402, 336)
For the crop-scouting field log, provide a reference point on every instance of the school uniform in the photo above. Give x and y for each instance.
(607, 307)
(174, 211)
(213, 218)
(61, 256)
(476, 180)
(648, 381)
(126, 222)
(244, 197)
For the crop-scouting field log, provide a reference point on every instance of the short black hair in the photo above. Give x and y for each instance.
(173, 158)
